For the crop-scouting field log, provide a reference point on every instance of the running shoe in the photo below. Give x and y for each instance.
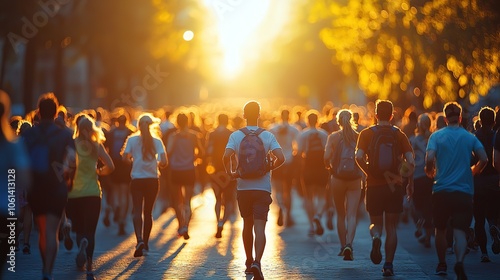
(375, 254)
(459, 271)
(388, 270)
(495, 235)
(81, 257)
(257, 272)
(347, 253)
(138, 250)
(220, 227)
(319, 227)
(441, 269)
(183, 232)
(485, 258)
(248, 267)
(90, 276)
(341, 253)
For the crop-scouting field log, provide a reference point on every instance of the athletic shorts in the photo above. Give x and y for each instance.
(384, 198)
(422, 193)
(43, 201)
(183, 177)
(456, 206)
(254, 203)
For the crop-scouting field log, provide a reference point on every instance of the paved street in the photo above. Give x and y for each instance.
(290, 253)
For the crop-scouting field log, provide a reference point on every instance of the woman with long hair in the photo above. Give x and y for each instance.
(346, 179)
(145, 151)
(84, 199)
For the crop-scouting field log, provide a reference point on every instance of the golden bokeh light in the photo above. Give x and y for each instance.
(188, 35)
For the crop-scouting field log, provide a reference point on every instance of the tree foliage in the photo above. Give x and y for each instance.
(438, 50)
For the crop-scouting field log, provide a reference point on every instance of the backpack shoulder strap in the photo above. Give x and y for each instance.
(259, 131)
(374, 128)
(245, 131)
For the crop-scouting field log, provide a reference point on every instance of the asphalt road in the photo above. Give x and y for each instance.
(289, 254)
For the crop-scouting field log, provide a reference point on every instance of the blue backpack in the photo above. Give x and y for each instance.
(384, 153)
(344, 164)
(43, 155)
(252, 157)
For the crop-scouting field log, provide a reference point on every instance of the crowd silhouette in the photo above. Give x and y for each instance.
(75, 169)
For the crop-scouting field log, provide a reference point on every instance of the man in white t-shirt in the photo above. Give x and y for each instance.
(254, 194)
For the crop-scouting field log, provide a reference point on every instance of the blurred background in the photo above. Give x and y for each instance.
(154, 53)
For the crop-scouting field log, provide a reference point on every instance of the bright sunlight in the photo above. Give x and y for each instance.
(244, 28)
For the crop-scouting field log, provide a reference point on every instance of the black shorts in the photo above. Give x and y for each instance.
(422, 193)
(254, 203)
(385, 198)
(456, 206)
(183, 177)
(48, 202)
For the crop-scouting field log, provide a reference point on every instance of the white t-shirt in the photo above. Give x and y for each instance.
(143, 169)
(286, 135)
(263, 183)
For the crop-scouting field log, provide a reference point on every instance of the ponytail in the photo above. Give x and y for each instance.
(346, 122)
(148, 150)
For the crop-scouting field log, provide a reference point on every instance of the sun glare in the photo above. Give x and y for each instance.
(243, 29)
(188, 35)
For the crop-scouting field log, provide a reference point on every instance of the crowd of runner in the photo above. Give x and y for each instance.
(76, 169)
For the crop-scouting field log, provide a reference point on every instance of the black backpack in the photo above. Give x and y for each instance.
(384, 154)
(343, 164)
(314, 152)
(252, 156)
(43, 155)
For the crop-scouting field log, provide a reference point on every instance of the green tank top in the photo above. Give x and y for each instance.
(86, 182)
